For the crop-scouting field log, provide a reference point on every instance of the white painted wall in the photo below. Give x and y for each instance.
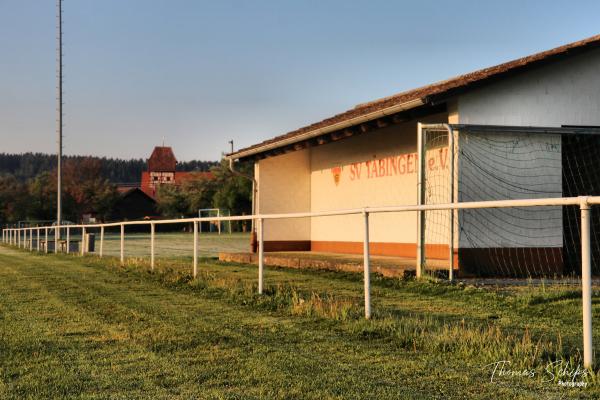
(566, 92)
(365, 154)
(284, 187)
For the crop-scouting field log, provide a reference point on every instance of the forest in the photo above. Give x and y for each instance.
(118, 171)
(28, 189)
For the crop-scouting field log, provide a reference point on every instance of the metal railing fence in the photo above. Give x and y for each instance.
(23, 238)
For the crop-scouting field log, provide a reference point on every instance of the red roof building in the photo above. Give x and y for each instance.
(162, 171)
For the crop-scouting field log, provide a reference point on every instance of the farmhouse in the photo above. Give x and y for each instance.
(518, 127)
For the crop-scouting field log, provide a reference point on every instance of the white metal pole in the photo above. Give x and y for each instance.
(68, 244)
(56, 237)
(83, 241)
(420, 200)
(101, 252)
(37, 245)
(451, 198)
(122, 244)
(46, 240)
(219, 221)
(586, 283)
(152, 232)
(31, 239)
(367, 267)
(196, 249)
(261, 254)
(59, 120)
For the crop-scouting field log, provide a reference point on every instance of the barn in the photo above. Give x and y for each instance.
(524, 129)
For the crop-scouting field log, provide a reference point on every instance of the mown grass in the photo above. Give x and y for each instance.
(89, 328)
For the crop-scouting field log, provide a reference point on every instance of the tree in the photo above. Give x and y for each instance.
(171, 201)
(13, 197)
(233, 192)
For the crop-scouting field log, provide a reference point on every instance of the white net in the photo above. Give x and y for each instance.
(501, 165)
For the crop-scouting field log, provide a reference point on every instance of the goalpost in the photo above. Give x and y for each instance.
(470, 163)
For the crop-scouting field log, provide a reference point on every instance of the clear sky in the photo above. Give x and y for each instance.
(202, 72)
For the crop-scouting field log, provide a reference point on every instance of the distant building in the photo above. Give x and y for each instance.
(162, 171)
(134, 204)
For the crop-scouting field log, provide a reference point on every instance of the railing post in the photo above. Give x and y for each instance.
(196, 249)
(261, 254)
(586, 284)
(56, 236)
(37, 245)
(68, 239)
(152, 232)
(46, 239)
(101, 250)
(420, 261)
(367, 267)
(122, 244)
(82, 240)
(30, 239)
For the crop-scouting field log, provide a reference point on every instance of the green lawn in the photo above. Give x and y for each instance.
(73, 327)
(173, 244)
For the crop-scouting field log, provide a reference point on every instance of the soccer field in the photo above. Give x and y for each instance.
(176, 244)
(81, 327)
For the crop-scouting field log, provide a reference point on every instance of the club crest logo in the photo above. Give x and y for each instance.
(337, 173)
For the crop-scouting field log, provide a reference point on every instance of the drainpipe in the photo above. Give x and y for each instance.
(253, 240)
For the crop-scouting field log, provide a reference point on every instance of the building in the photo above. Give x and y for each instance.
(367, 156)
(134, 204)
(162, 170)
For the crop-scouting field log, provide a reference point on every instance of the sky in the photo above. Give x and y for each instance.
(198, 73)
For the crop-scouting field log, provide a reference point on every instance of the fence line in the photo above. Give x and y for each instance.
(13, 236)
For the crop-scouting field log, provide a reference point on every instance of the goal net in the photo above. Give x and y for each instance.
(495, 163)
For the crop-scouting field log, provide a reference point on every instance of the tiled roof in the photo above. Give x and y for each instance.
(162, 160)
(439, 89)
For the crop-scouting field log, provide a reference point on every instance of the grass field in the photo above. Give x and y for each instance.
(176, 244)
(73, 327)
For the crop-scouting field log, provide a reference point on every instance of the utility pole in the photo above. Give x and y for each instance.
(59, 115)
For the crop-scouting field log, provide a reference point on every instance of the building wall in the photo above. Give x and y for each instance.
(520, 166)
(284, 187)
(566, 92)
(375, 169)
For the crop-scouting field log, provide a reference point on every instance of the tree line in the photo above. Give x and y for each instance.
(86, 189)
(26, 166)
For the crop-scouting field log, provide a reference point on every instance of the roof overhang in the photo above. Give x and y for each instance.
(328, 129)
